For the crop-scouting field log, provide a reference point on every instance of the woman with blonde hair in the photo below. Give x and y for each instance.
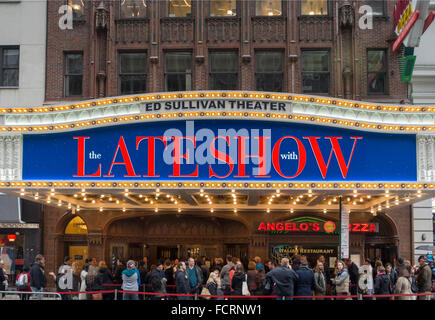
(213, 284)
(76, 277)
(341, 280)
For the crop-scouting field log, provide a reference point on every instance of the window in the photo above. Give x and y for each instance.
(376, 71)
(78, 9)
(179, 8)
(315, 71)
(133, 9)
(314, 7)
(73, 74)
(223, 70)
(221, 8)
(268, 7)
(178, 71)
(132, 72)
(9, 66)
(377, 7)
(269, 71)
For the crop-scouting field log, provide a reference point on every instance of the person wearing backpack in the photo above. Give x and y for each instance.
(365, 282)
(64, 279)
(22, 283)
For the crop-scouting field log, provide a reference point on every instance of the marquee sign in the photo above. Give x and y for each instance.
(220, 150)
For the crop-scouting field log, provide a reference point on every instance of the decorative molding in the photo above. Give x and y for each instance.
(426, 157)
(10, 157)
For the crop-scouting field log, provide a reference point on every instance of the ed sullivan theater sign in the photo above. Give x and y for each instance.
(220, 150)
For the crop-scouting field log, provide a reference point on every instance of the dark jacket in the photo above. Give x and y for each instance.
(424, 279)
(37, 276)
(182, 282)
(283, 280)
(319, 282)
(382, 284)
(104, 277)
(169, 275)
(157, 284)
(237, 283)
(353, 271)
(118, 274)
(2, 278)
(305, 283)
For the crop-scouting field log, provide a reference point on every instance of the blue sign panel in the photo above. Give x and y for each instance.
(220, 150)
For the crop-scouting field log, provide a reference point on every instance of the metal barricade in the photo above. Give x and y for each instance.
(19, 293)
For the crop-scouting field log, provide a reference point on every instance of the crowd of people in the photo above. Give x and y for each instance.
(228, 279)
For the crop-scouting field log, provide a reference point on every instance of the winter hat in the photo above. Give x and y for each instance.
(131, 264)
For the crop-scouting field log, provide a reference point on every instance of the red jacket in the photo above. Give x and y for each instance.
(28, 281)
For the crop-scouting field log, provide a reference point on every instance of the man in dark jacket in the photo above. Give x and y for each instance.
(283, 279)
(424, 278)
(353, 271)
(195, 276)
(305, 283)
(182, 281)
(38, 280)
(158, 282)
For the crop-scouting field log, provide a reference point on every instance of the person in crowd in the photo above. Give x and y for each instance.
(117, 275)
(195, 276)
(130, 281)
(391, 273)
(403, 284)
(382, 284)
(147, 280)
(204, 271)
(412, 275)
(169, 272)
(270, 265)
(341, 280)
(103, 281)
(266, 265)
(328, 277)
(3, 279)
(305, 281)
(76, 278)
(237, 281)
(214, 284)
(400, 264)
(252, 276)
(182, 281)
(232, 272)
(225, 274)
(38, 280)
(64, 279)
(282, 279)
(83, 274)
(378, 263)
(353, 270)
(258, 263)
(423, 278)
(260, 281)
(218, 264)
(365, 282)
(296, 261)
(158, 282)
(319, 280)
(22, 283)
(92, 274)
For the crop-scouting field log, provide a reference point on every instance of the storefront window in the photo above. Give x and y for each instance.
(132, 76)
(314, 7)
(179, 8)
(269, 71)
(78, 9)
(73, 74)
(133, 9)
(221, 8)
(377, 7)
(268, 8)
(76, 226)
(223, 70)
(178, 71)
(376, 71)
(315, 71)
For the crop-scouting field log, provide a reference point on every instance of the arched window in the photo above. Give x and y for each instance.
(76, 226)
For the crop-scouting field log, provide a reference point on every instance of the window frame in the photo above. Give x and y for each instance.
(165, 5)
(120, 52)
(384, 9)
(2, 49)
(120, 17)
(282, 10)
(226, 16)
(165, 73)
(210, 73)
(386, 87)
(282, 73)
(66, 74)
(328, 8)
(83, 16)
(329, 72)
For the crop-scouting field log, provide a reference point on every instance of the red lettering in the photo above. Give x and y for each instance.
(336, 149)
(288, 227)
(81, 159)
(372, 227)
(365, 227)
(242, 157)
(316, 226)
(279, 226)
(295, 228)
(126, 157)
(301, 161)
(303, 226)
(177, 157)
(270, 226)
(220, 156)
(151, 153)
(261, 227)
